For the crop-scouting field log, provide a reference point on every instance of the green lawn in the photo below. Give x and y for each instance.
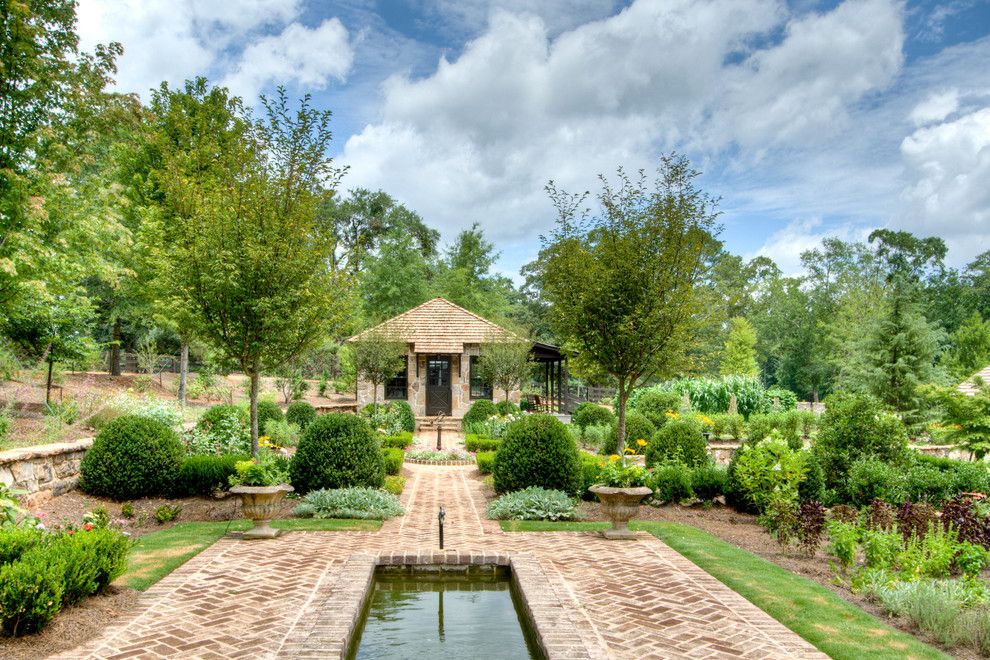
(157, 554)
(832, 624)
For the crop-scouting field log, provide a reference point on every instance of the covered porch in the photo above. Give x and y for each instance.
(551, 375)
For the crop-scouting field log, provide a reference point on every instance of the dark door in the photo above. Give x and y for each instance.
(438, 394)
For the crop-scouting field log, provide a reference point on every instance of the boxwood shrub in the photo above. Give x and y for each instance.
(301, 413)
(591, 414)
(337, 451)
(537, 450)
(474, 442)
(479, 411)
(485, 461)
(132, 457)
(671, 483)
(398, 441)
(655, 404)
(204, 474)
(267, 410)
(393, 458)
(637, 427)
(708, 481)
(679, 440)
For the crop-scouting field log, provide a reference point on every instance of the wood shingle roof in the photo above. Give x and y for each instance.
(439, 326)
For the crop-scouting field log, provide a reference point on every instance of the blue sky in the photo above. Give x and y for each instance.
(807, 118)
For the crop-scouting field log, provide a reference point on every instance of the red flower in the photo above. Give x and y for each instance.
(88, 526)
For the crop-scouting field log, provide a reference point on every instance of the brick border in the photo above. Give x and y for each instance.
(326, 628)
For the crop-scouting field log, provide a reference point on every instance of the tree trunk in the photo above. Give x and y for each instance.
(183, 371)
(255, 382)
(48, 382)
(115, 349)
(374, 399)
(507, 402)
(621, 395)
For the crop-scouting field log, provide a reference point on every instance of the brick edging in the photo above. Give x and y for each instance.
(420, 461)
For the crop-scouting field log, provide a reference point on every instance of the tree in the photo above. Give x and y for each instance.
(395, 279)
(965, 416)
(739, 357)
(970, 350)
(902, 353)
(247, 260)
(377, 356)
(505, 363)
(465, 276)
(624, 286)
(977, 276)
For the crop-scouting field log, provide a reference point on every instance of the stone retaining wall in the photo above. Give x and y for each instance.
(722, 451)
(43, 471)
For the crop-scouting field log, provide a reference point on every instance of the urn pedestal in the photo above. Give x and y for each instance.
(260, 504)
(620, 505)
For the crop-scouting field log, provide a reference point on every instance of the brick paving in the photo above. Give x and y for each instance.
(298, 596)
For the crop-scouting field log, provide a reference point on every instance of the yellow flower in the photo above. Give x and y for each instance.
(671, 414)
(641, 442)
(630, 450)
(613, 458)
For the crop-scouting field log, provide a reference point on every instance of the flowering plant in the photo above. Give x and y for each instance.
(618, 472)
(269, 469)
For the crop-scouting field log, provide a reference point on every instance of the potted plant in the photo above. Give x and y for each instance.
(621, 487)
(261, 484)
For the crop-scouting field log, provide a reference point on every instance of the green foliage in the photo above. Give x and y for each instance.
(655, 404)
(221, 429)
(204, 474)
(485, 461)
(479, 411)
(679, 440)
(788, 424)
(505, 363)
(671, 483)
(533, 503)
(506, 408)
(712, 395)
(618, 472)
(709, 481)
(970, 350)
(537, 450)
(267, 469)
(300, 413)
(596, 436)
(394, 484)
(268, 410)
(591, 465)
(638, 427)
(378, 356)
(843, 542)
(474, 442)
(966, 418)
(591, 414)
(337, 451)
(770, 470)
(851, 427)
(739, 356)
(163, 411)
(399, 441)
(385, 417)
(282, 433)
(786, 400)
(167, 513)
(394, 458)
(354, 502)
(880, 547)
(406, 417)
(871, 479)
(132, 457)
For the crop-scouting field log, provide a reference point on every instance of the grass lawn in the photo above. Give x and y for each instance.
(832, 624)
(157, 554)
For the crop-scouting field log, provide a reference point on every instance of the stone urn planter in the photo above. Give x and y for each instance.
(260, 503)
(620, 505)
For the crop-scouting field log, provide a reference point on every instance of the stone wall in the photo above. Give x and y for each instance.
(43, 471)
(722, 451)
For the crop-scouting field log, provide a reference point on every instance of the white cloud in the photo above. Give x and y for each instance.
(478, 139)
(309, 57)
(935, 107)
(173, 40)
(786, 245)
(948, 181)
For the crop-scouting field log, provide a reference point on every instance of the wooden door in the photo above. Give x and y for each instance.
(438, 393)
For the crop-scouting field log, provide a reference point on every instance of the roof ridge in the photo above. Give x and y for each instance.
(384, 325)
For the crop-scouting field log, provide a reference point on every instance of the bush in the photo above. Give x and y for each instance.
(924, 483)
(268, 410)
(479, 411)
(393, 460)
(132, 457)
(680, 441)
(853, 427)
(281, 433)
(165, 412)
(812, 488)
(300, 413)
(537, 451)
(356, 502)
(637, 428)
(591, 414)
(709, 481)
(787, 423)
(870, 479)
(533, 503)
(712, 395)
(728, 425)
(385, 418)
(671, 483)
(406, 416)
(965, 476)
(394, 484)
(655, 404)
(595, 436)
(769, 470)
(221, 429)
(400, 441)
(473, 442)
(31, 592)
(204, 474)
(337, 451)
(591, 467)
(506, 408)
(786, 399)
(485, 461)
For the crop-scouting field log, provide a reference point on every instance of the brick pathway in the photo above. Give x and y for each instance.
(637, 599)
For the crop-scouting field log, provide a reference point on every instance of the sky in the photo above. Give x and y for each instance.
(807, 118)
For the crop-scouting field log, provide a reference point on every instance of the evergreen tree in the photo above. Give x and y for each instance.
(739, 357)
(970, 350)
(395, 279)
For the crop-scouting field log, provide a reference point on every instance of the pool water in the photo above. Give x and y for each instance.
(433, 615)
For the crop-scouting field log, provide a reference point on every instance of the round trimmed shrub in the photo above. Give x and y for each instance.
(268, 410)
(678, 441)
(591, 414)
(671, 483)
(505, 408)
(132, 457)
(300, 413)
(537, 450)
(222, 411)
(638, 427)
(654, 405)
(480, 411)
(709, 481)
(337, 451)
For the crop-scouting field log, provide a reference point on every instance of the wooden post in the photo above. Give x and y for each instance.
(733, 405)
